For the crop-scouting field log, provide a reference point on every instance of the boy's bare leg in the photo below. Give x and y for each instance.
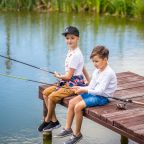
(46, 119)
(46, 103)
(45, 100)
(79, 116)
(54, 124)
(46, 94)
(51, 111)
(70, 112)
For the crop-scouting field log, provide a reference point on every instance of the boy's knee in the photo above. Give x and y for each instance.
(45, 93)
(49, 90)
(45, 96)
(53, 98)
(77, 108)
(71, 104)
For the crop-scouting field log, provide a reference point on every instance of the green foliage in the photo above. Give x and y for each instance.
(17, 4)
(139, 11)
(131, 8)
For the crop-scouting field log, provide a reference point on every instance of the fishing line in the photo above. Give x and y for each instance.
(23, 78)
(26, 64)
(26, 79)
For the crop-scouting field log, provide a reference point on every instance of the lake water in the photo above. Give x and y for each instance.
(35, 38)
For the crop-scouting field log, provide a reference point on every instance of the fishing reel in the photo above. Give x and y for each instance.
(121, 106)
(61, 83)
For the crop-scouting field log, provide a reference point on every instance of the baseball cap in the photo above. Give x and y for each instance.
(71, 30)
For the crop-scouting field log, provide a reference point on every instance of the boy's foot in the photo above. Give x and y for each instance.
(51, 126)
(74, 139)
(42, 126)
(64, 133)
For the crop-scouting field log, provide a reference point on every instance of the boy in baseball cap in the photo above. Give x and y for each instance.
(74, 76)
(71, 30)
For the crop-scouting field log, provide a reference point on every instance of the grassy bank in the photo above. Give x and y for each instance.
(130, 8)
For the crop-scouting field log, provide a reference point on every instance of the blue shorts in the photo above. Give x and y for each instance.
(94, 100)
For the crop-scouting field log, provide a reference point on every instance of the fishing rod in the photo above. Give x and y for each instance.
(127, 100)
(24, 78)
(26, 64)
(123, 106)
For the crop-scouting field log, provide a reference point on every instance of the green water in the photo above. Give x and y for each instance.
(36, 38)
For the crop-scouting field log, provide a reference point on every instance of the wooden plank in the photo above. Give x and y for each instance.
(128, 124)
(128, 118)
(120, 131)
(130, 93)
(111, 117)
(129, 79)
(129, 85)
(113, 110)
(41, 88)
(118, 113)
(125, 74)
(134, 121)
(98, 111)
(140, 132)
(136, 127)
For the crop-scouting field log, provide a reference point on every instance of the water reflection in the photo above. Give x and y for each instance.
(8, 38)
(36, 38)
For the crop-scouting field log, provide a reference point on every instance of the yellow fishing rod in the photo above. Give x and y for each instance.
(22, 78)
(26, 79)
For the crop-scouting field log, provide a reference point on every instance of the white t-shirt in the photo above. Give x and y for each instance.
(103, 83)
(75, 60)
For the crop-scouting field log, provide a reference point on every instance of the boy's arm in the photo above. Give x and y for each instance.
(100, 87)
(86, 75)
(67, 76)
(80, 90)
(103, 85)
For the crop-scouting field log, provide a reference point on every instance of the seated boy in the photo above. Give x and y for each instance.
(75, 73)
(102, 85)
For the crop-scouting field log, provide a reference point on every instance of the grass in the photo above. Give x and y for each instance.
(124, 8)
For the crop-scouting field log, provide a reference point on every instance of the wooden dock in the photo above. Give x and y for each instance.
(128, 123)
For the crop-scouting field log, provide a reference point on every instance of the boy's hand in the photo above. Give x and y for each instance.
(57, 75)
(81, 90)
(75, 88)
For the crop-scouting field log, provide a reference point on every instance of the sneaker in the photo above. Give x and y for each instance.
(42, 126)
(74, 139)
(64, 133)
(51, 126)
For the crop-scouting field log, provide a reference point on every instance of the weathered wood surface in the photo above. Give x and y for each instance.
(129, 122)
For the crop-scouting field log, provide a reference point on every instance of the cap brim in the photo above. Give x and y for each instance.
(64, 33)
